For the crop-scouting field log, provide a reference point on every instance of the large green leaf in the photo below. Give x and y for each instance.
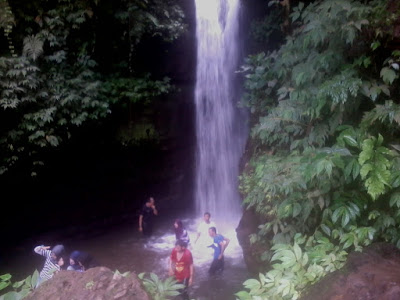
(388, 75)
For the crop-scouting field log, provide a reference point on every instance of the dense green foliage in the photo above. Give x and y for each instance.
(53, 74)
(20, 289)
(325, 167)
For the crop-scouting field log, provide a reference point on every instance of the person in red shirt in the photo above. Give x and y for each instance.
(181, 266)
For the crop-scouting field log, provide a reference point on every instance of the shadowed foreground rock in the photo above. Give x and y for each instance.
(373, 274)
(95, 284)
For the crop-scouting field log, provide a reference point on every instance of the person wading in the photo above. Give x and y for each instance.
(181, 266)
(202, 230)
(219, 245)
(146, 217)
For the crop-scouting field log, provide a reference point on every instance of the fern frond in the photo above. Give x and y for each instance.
(33, 47)
(6, 16)
(388, 112)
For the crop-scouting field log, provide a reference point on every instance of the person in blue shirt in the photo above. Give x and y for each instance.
(219, 245)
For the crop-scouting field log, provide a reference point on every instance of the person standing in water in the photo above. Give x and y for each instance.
(181, 266)
(180, 232)
(219, 245)
(146, 217)
(202, 229)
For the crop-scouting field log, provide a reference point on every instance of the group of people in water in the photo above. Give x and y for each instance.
(181, 258)
(180, 261)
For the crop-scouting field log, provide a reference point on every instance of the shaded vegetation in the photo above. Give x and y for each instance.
(71, 63)
(17, 290)
(325, 166)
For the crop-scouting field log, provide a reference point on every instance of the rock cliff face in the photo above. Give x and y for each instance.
(373, 274)
(249, 225)
(252, 254)
(98, 283)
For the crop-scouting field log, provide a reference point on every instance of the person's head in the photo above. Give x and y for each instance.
(212, 231)
(60, 262)
(73, 258)
(57, 252)
(180, 245)
(207, 217)
(178, 224)
(150, 201)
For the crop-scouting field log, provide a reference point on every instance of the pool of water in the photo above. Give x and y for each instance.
(123, 248)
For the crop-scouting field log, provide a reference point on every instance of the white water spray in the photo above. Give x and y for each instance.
(219, 123)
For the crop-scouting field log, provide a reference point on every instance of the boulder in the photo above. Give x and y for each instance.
(98, 283)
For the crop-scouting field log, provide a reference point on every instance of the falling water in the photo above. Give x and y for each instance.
(219, 123)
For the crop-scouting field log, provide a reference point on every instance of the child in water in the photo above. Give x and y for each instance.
(180, 232)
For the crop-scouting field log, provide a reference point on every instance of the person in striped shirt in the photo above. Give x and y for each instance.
(54, 261)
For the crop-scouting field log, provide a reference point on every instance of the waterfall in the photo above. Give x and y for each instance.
(220, 123)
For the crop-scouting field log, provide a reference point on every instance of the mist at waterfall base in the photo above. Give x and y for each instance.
(206, 287)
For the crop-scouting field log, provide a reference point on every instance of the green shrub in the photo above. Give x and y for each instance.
(158, 289)
(20, 288)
